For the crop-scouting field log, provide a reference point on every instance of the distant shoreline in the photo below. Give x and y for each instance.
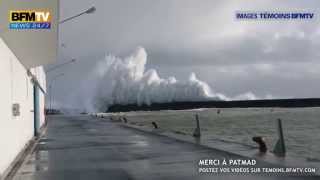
(286, 103)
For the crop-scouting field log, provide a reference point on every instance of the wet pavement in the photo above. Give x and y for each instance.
(85, 147)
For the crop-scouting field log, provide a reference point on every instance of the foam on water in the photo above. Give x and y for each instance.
(127, 81)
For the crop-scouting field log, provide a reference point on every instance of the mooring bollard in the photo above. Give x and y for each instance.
(155, 125)
(260, 141)
(197, 132)
(280, 148)
(125, 120)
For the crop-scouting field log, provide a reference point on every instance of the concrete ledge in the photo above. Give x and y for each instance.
(268, 158)
(182, 138)
(179, 138)
(19, 159)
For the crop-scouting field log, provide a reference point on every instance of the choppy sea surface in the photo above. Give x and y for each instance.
(301, 126)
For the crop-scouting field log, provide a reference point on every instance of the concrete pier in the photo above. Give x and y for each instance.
(85, 147)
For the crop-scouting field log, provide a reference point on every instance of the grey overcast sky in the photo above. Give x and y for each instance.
(277, 58)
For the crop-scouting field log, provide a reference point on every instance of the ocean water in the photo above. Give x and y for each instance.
(301, 126)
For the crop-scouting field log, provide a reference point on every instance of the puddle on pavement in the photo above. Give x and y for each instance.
(141, 143)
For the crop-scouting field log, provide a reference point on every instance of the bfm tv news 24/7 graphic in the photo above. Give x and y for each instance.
(29, 19)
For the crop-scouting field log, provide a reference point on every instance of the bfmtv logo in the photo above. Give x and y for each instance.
(30, 19)
(30, 16)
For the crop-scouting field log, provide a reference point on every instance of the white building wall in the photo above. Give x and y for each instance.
(16, 87)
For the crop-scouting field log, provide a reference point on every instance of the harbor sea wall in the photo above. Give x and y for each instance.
(287, 103)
